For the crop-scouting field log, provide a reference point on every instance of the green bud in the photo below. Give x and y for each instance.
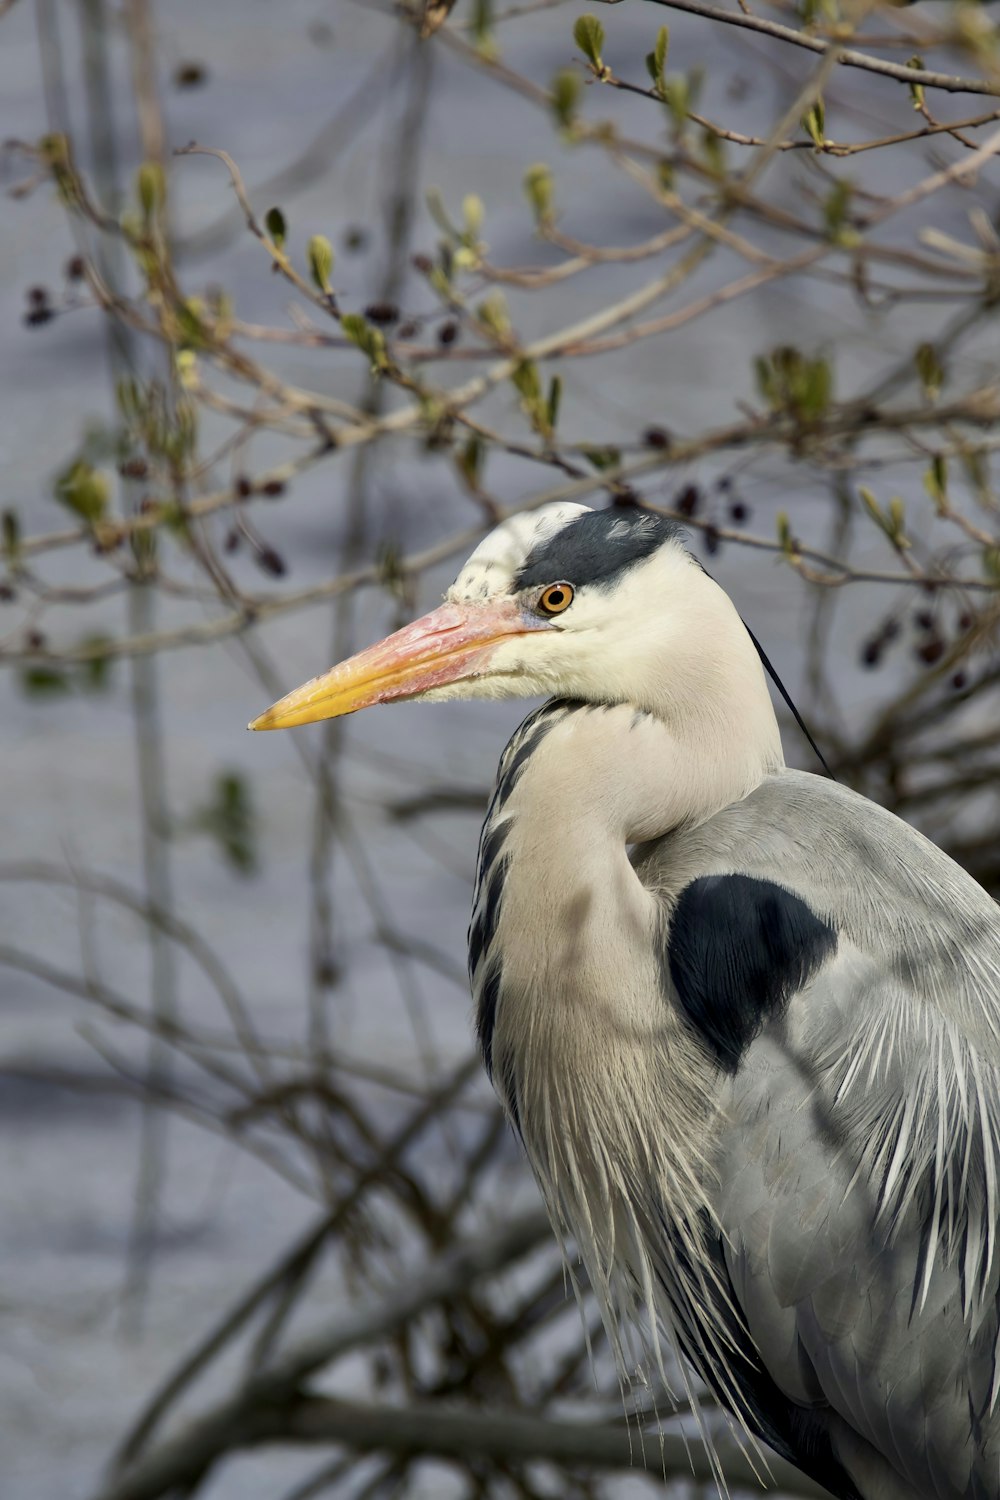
(930, 370)
(473, 214)
(565, 97)
(10, 529)
(916, 89)
(826, 11)
(186, 367)
(714, 148)
(897, 519)
(319, 254)
(870, 504)
(813, 122)
(936, 483)
(815, 388)
(892, 523)
(482, 26)
(603, 458)
(55, 152)
(790, 382)
(439, 276)
(469, 461)
(492, 313)
(976, 469)
(438, 212)
(588, 33)
(538, 191)
(836, 207)
(367, 337)
(150, 189)
(229, 819)
(656, 61)
(786, 540)
(552, 405)
(43, 682)
(274, 223)
(192, 331)
(526, 382)
(83, 490)
(677, 97)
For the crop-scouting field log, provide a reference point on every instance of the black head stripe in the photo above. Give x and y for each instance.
(596, 548)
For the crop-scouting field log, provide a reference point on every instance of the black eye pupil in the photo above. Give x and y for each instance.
(556, 597)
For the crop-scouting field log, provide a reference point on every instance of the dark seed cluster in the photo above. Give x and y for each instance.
(929, 637)
(190, 75)
(270, 561)
(722, 509)
(382, 313)
(40, 309)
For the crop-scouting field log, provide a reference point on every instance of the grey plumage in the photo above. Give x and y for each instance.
(851, 1209)
(745, 1022)
(858, 1166)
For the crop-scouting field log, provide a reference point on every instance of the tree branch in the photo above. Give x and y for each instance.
(949, 82)
(513, 1437)
(183, 1460)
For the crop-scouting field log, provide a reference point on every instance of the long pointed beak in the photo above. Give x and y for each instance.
(451, 643)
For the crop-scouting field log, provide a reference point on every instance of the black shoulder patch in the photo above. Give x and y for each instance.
(596, 547)
(738, 949)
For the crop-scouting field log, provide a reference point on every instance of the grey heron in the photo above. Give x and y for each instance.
(745, 1021)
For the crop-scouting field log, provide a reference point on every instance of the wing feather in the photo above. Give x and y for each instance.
(859, 1182)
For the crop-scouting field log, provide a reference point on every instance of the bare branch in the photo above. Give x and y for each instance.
(847, 58)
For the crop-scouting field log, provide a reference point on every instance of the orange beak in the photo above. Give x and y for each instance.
(450, 644)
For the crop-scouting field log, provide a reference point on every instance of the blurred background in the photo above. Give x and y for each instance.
(296, 302)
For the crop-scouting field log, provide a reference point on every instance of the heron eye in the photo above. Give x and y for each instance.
(556, 598)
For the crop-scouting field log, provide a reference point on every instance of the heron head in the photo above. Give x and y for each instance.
(563, 600)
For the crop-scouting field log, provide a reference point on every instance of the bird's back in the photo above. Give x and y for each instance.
(846, 976)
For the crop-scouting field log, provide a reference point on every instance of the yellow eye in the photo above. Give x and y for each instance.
(556, 598)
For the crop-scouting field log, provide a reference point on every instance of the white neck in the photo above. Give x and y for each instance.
(603, 778)
(600, 1069)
